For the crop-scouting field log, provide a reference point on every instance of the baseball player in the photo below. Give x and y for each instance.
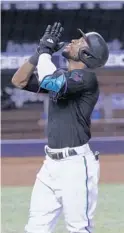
(68, 179)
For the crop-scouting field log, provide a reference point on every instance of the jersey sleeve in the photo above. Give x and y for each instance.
(55, 82)
(62, 83)
(81, 81)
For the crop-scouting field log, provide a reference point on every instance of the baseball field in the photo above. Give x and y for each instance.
(18, 176)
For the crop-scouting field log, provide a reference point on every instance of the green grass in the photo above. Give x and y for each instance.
(109, 215)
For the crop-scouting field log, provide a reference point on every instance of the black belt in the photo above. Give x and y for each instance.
(71, 152)
(59, 155)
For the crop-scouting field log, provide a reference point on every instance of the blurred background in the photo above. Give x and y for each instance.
(24, 114)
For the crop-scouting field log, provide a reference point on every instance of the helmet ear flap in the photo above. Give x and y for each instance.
(84, 53)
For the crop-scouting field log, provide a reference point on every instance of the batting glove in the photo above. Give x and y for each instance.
(49, 43)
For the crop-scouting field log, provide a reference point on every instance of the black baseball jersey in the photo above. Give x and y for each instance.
(70, 110)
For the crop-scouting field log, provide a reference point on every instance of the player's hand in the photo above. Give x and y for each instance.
(50, 42)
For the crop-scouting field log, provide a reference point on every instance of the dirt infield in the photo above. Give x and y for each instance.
(22, 171)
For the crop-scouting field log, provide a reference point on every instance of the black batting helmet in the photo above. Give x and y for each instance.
(96, 54)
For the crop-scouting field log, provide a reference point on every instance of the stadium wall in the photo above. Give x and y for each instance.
(25, 148)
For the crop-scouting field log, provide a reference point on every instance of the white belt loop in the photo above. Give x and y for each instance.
(65, 152)
(45, 149)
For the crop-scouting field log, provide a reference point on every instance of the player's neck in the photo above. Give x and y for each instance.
(73, 65)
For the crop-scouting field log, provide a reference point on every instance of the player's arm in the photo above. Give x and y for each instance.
(25, 78)
(45, 67)
(49, 43)
(63, 86)
(22, 76)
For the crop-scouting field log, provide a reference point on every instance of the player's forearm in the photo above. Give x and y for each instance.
(45, 66)
(22, 75)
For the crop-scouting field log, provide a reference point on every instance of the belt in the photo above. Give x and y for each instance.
(71, 152)
(61, 155)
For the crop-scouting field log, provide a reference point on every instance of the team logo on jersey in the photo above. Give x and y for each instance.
(77, 77)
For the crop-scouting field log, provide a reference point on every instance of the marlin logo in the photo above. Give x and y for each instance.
(50, 40)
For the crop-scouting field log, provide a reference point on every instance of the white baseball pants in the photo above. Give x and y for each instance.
(69, 185)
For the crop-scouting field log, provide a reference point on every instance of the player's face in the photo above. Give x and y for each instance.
(72, 48)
